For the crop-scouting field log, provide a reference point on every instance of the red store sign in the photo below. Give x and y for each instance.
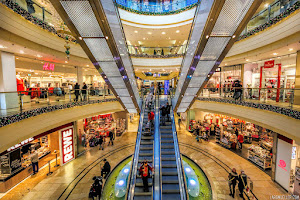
(67, 145)
(269, 64)
(48, 66)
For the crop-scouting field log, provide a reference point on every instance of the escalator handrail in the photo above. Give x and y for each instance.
(136, 155)
(157, 153)
(182, 187)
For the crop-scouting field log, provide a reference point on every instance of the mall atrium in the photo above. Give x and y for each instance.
(149, 99)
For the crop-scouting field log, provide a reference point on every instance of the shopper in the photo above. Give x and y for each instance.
(232, 181)
(35, 161)
(212, 129)
(96, 188)
(144, 173)
(242, 183)
(111, 138)
(101, 143)
(152, 89)
(236, 131)
(240, 141)
(237, 90)
(179, 119)
(151, 118)
(149, 100)
(84, 91)
(168, 111)
(77, 92)
(163, 115)
(105, 169)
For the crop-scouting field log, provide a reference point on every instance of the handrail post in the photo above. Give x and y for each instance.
(21, 102)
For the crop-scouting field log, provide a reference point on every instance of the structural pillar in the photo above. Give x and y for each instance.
(79, 76)
(297, 80)
(8, 83)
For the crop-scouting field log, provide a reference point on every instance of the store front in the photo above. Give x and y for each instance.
(90, 129)
(224, 130)
(15, 162)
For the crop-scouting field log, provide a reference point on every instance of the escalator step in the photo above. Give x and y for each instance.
(167, 141)
(171, 173)
(171, 196)
(147, 137)
(168, 158)
(146, 142)
(167, 152)
(146, 154)
(166, 136)
(167, 146)
(146, 148)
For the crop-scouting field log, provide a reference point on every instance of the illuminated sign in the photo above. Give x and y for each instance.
(20, 144)
(282, 164)
(48, 66)
(67, 145)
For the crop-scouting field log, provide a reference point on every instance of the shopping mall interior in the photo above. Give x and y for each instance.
(149, 99)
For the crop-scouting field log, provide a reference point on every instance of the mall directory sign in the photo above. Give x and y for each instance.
(67, 145)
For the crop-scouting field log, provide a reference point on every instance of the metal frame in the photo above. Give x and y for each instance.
(103, 23)
(213, 16)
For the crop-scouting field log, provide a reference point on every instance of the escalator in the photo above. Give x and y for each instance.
(171, 168)
(144, 151)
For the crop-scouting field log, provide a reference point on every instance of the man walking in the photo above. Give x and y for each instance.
(232, 181)
(144, 172)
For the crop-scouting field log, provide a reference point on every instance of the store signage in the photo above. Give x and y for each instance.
(67, 145)
(294, 151)
(20, 144)
(283, 163)
(269, 64)
(48, 66)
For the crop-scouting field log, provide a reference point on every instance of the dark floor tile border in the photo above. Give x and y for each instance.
(31, 113)
(281, 110)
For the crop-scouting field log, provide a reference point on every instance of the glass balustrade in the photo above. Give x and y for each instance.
(157, 51)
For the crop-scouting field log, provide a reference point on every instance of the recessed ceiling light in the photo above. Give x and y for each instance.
(17, 58)
(177, 31)
(233, 36)
(163, 33)
(225, 63)
(266, 5)
(2, 47)
(275, 54)
(106, 37)
(279, 57)
(136, 31)
(291, 49)
(80, 38)
(149, 33)
(39, 56)
(207, 36)
(21, 51)
(66, 61)
(144, 38)
(247, 60)
(87, 65)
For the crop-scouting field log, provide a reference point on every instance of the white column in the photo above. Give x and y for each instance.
(8, 81)
(79, 76)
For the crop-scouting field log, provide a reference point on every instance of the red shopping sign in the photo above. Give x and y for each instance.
(67, 145)
(269, 64)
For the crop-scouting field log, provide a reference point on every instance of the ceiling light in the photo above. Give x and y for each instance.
(233, 36)
(136, 31)
(266, 5)
(225, 63)
(291, 49)
(207, 36)
(275, 54)
(149, 33)
(163, 33)
(144, 38)
(66, 61)
(39, 56)
(177, 31)
(87, 65)
(106, 37)
(279, 57)
(17, 58)
(247, 60)
(21, 51)
(80, 38)
(2, 47)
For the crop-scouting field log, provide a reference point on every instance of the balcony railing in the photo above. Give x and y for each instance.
(279, 100)
(269, 16)
(36, 101)
(171, 7)
(157, 52)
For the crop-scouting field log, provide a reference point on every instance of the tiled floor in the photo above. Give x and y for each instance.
(42, 187)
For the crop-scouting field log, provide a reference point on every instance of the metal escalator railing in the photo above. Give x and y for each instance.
(136, 155)
(157, 152)
(182, 181)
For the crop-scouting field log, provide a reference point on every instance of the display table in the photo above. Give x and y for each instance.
(264, 162)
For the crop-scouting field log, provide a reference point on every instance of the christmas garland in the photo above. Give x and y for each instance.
(156, 56)
(24, 13)
(271, 22)
(31, 113)
(156, 13)
(281, 110)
